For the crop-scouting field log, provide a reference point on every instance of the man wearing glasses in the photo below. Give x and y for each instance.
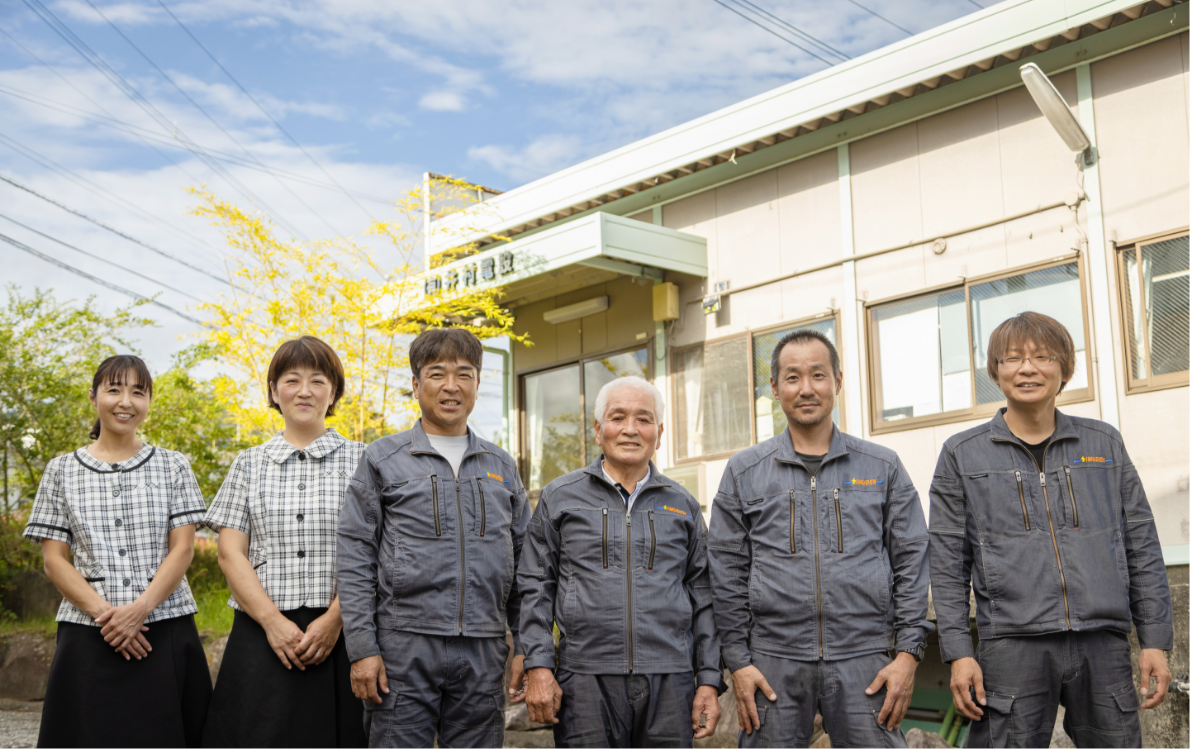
(1044, 515)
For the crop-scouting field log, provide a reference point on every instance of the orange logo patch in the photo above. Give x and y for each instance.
(498, 478)
(672, 509)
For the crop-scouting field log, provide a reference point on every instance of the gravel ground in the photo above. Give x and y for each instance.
(19, 722)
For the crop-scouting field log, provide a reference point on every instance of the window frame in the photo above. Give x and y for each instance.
(522, 412)
(976, 410)
(1151, 383)
(750, 334)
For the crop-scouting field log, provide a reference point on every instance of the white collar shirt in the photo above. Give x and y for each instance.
(287, 500)
(629, 497)
(117, 518)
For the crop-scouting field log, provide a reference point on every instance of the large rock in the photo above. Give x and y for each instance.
(516, 718)
(25, 659)
(31, 594)
(917, 739)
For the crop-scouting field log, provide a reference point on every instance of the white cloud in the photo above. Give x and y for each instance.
(443, 101)
(543, 156)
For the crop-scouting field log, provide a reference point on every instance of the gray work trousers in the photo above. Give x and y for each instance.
(625, 710)
(833, 688)
(449, 687)
(1026, 678)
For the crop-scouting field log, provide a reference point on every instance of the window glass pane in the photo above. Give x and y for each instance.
(1138, 347)
(1050, 291)
(1166, 267)
(770, 419)
(599, 372)
(924, 365)
(712, 399)
(553, 425)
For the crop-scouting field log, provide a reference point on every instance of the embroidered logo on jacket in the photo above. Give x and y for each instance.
(861, 482)
(1091, 459)
(497, 478)
(672, 509)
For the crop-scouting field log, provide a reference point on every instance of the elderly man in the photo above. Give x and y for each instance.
(819, 558)
(430, 533)
(617, 559)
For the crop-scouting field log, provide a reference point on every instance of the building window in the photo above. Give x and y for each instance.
(1155, 299)
(559, 412)
(928, 354)
(722, 397)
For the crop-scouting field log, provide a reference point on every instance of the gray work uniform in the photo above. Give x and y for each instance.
(427, 579)
(630, 595)
(1068, 548)
(826, 566)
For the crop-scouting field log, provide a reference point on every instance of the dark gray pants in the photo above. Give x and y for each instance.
(449, 687)
(833, 688)
(624, 710)
(1026, 678)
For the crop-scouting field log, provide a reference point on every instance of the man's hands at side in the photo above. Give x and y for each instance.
(543, 697)
(745, 682)
(706, 702)
(965, 675)
(1152, 665)
(366, 675)
(897, 678)
(516, 680)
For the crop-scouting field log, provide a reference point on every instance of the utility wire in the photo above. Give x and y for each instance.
(101, 192)
(146, 135)
(261, 108)
(785, 39)
(123, 268)
(117, 232)
(207, 114)
(882, 18)
(96, 279)
(801, 34)
(132, 93)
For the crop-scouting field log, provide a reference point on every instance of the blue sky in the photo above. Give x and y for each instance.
(376, 91)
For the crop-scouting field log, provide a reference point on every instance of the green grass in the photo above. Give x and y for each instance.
(214, 615)
(46, 625)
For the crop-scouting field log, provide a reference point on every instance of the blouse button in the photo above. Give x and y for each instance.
(301, 555)
(301, 456)
(301, 487)
(300, 518)
(119, 522)
(123, 552)
(115, 492)
(127, 582)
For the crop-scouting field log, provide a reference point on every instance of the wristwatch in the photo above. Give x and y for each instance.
(918, 652)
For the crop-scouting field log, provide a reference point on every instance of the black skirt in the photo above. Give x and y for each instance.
(96, 698)
(258, 702)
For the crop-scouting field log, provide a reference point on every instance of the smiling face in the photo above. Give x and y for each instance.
(1029, 383)
(806, 384)
(303, 396)
(446, 391)
(629, 433)
(121, 405)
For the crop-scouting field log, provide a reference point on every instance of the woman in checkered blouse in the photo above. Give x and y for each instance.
(129, 669)
(285, 678)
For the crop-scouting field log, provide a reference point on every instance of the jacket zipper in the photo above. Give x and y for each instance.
(792, 524)
(483, 508)
(839, 520)
(1020, 490)
(628, 573)
(437, 523)
(817, 575)
(1073, 502)
(462, 554)
(653, 543)
(604, 538)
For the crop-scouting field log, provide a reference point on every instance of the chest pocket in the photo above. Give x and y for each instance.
(665, 543)
(1003, 501)
(143, 506)
(1088, 492)
(856, 517)
(592, 539)
(774, 523)
(419, 507)
(493, 507)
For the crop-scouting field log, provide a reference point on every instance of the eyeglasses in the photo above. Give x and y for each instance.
(1015, 362)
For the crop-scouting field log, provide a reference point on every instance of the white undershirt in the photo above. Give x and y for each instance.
(451, 448)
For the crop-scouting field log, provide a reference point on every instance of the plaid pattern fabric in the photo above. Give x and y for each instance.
(117, 518)
(288, 500)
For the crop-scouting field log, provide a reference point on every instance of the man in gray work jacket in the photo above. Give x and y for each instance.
(617, 559)
(1044, 515)
(819, 563)
(429, 538)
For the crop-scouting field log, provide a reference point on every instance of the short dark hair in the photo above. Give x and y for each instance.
(438, 344)
(802, 335)
(307, 352)
(1043, 330)
(114, 370)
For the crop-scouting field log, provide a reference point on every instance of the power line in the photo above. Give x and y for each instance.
(123, 268)
(785, 39)
(117, 232)
(261, 108)
(801, 34)
(96, 279)
(207, 114)
(882, 18)
(132, 93)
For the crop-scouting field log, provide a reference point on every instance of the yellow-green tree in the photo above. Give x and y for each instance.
(338, 291)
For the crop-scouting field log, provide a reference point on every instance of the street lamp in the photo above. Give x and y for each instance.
(1054, 107)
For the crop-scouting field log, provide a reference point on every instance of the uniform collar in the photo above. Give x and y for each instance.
(786, 454)
(279, 450)
(136, 461)
(654, 478)
(1063, 427)
(420, 441)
